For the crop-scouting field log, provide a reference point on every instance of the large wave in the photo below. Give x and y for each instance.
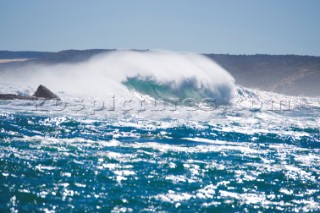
(159, 74)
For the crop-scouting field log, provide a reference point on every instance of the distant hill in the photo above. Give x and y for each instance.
(287, 74)
(23, 54)
(68, 56)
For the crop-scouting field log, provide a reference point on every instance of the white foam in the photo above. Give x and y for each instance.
(103, 75)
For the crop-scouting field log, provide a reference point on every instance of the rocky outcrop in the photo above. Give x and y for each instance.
(44, 92)
(41, 93)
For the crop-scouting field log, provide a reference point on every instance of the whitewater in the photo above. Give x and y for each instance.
(154, 131)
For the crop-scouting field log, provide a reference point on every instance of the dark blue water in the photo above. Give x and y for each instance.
(63, 163)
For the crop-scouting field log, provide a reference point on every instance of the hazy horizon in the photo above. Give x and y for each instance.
(205, 53)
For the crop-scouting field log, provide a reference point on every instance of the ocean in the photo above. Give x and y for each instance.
(165, 144)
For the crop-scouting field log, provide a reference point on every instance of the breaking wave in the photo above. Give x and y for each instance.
(158, 74)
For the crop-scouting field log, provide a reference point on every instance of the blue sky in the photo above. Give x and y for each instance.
(204, 26)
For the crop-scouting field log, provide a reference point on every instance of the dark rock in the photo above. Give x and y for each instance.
(44, 92)
(13, 97)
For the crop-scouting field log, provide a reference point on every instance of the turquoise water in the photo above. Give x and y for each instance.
(62, 163)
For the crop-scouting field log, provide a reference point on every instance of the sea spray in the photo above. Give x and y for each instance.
(159, 74)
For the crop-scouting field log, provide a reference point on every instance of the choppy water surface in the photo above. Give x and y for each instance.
(257, 151)
(246, 161)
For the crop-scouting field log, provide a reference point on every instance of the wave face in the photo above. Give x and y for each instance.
(188, 88)
(260, 152)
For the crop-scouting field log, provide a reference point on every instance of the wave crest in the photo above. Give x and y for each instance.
(159, 74)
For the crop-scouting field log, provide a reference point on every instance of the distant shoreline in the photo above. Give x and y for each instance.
(13, 60)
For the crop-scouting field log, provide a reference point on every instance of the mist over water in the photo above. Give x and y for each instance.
(180, 75)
